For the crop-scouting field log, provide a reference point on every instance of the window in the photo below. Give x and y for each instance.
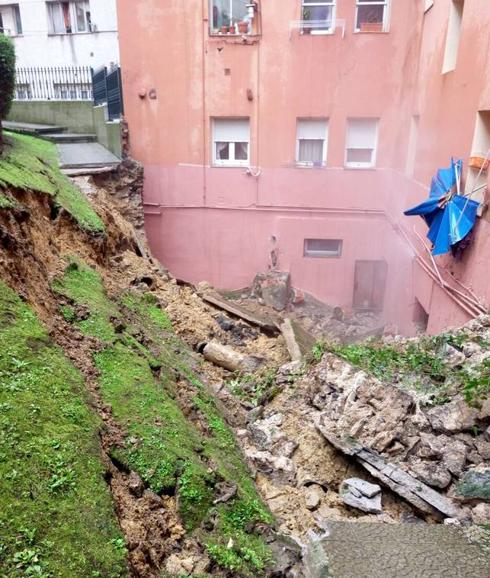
(362, 138)
(231, 142)
(372, 15)
(69, 17)
(318, 16)
(322, 248)
(476, 178)
(10, 20)
(453, 35)
(72, 91)
(229, 17)
(312, 139)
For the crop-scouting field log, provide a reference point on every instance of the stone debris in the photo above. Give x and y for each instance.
(475, 484)
(453, 417)
(313, 497)
(362, 495)
(274, 288)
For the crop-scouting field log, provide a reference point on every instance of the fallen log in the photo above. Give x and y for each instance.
(266, 324)
(228, 358)
(400, 482)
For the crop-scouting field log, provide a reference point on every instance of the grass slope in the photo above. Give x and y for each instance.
(56, 513)
(31, 164)
(140, 368)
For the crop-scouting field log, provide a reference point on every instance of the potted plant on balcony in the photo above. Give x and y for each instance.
(305, 29)
(224, 29)
(243, 27)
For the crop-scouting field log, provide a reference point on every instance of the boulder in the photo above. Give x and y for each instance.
(431, 473)
(313, 497)
(361, 495)
(480, 514)
(278, 468)
(452, 417)
(264, 432)
(274, 288)
(475, 484)
(135, 485)
(452, 356)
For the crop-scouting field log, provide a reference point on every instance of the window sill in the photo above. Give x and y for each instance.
(371, 31)
(312, 32)
(360, 168)
(230, 166)
(306, 165)
(69, 33)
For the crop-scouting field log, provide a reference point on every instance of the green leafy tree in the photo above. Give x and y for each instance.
(7, 78)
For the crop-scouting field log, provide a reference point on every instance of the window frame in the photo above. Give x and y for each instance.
(309, 254)
(374, 156)
(312, 164)
(13, 12)
(217, 32)
(319, 4)
(231, 162)
(72, 14)
(386, 15)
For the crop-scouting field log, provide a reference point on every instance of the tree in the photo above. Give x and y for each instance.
(7, 78)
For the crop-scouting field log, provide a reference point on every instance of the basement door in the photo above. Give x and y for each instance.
(370, 285)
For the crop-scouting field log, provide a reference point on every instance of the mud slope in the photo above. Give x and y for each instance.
(182, 495)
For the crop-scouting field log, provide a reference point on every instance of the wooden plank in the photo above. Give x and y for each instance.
(264, 323)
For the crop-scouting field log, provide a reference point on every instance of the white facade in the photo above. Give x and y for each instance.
(62, 33)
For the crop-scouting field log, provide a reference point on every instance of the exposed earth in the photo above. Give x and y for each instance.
(126, 452)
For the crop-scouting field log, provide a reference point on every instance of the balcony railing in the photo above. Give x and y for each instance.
(53, 83)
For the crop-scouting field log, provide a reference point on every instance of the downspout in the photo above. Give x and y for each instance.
(204, 116)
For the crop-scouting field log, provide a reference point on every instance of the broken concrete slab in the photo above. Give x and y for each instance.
(267, 325)
(351, 492)
(290, 339)
(405, 485)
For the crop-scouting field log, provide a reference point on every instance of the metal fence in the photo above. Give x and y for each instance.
(107, 88)
(54, 83)
(72, 83)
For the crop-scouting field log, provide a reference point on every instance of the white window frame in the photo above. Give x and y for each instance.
(10, 11)
(386, 13)
(319, 3)
(214, 32)
(72, 7)
(312, 254)
(325, 142)
(362, 165)
(231, 162)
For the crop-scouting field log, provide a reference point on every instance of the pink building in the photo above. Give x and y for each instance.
(307, 127)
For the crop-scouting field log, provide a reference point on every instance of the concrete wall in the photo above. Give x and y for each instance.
(108, 133)
(214, 223)
(77, 115)
(36, 47)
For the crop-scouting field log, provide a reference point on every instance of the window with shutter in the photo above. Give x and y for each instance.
(311, 143)
(231, 142)
(362, 138)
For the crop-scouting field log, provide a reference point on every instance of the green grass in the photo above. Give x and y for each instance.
(420, 364)
(56, 513)
(142, 368)
(31, 164)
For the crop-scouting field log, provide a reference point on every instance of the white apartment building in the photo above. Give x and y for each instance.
(50, 33)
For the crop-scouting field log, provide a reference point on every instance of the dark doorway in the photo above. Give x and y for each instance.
(370, 285)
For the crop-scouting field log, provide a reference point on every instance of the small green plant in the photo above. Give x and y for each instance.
(319, 349)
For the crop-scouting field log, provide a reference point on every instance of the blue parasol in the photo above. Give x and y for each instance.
(449, 216)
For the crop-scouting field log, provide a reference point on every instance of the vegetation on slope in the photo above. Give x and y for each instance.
(56, 513)
(176, 439)
(7, 78)
(422, 364)
(31, 164)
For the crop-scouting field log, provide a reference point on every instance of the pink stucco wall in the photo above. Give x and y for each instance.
(217, 224)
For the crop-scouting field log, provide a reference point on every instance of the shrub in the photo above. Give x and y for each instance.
(7, 77)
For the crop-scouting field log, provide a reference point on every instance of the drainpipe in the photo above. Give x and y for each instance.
(204, 116)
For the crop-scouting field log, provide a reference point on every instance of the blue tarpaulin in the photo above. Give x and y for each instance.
(450, 217)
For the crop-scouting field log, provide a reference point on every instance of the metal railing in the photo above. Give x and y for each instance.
(53, 83)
